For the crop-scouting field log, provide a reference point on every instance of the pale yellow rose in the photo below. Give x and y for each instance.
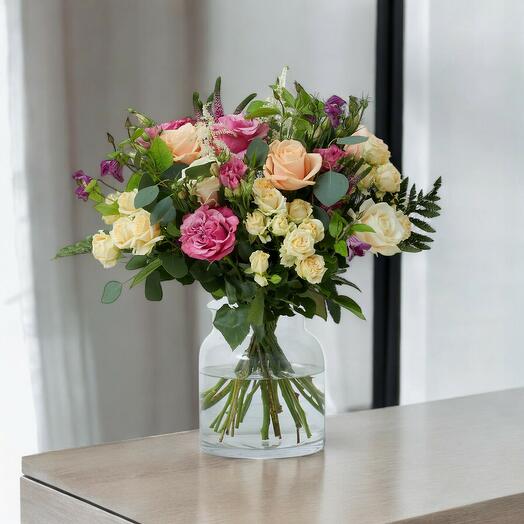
(315, 227)
(111, 199)
(356, 149)
(122, 233)
(375, 151)
(256, 224)
(145, 236)
(299, 210)
(261, 280)
(104, 250)
(289, 166)
(207, 190)
(259, 262)
(280, 225)
(183, 143)
(299, 244)
(311, 269)
(389, 231)
(268, 199)
(406, 224)
(387, 178)
(365, 183)
(126, 202)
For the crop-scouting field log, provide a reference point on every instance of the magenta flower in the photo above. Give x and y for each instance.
(209, 233)
(237, 132)
(232, 172)
(330, 156)
(82, 180)
(112, 168)
(334, 108)
(356, 248)
(154, 131)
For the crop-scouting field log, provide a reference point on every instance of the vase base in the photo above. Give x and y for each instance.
(269, 452)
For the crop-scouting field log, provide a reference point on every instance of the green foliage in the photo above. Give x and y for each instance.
(233, 323)
(244, 103)
(174, 264)
(351, 140)
(107, 209)
(256, 309)
(164, 211)
(78, 248)
(199, 171)
(133, 182)
(136, 262)
(146, 271)
(350, 305)
(330, 187)
(112, 290)
(161, 155)
(256, 153)
(153, 287)
(146, 196)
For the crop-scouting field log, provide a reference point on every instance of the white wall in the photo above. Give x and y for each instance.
(464, 120)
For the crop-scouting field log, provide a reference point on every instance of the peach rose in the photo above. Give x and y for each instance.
(289, 166)
(356, 149)
(182, 143)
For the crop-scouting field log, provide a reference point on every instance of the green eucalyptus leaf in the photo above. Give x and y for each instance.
(330, 187)
(153, 287)
(198, 171)
(233, 324)
(145, 181)
(136, 262)
(142, 275)
(173, 230)
(163, 211)
(352, 140)
(321, 214)
(112, 290)
(257, 152)
(173, 172)
(361, 228)
(146, 196)
(174, 264)
(161, 155)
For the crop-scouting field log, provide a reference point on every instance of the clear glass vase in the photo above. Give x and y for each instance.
(265, 399)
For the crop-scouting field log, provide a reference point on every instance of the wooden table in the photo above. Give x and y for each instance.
(452, 461)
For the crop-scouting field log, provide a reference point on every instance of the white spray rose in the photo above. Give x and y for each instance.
(104, 250)
(315, 227)
(311, 269)
(256, 224)
(207, 190)
(406, 224)
(375, 151)
(297, 245)
(387, 178)
(299, 210)
(280, 225)
(126, 202)
(145, 235)
(388, 229)
(122, 233)
(268, 198)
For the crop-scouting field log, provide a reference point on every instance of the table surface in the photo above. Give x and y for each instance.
(378, 466)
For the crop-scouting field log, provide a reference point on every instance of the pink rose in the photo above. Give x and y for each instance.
(237, 132)
(209, 233)
(232, 172)
(330, 156)
(153, 132)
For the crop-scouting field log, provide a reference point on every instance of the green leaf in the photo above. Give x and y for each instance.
(421, 225)
(321, 214)
(198, 171)
(174, 264)
(256, 153)
(334, 311)
(352, 140)
(153, 287)
(330, 187)
(173, 230)
(134, 181)
(145, 181)
(163, 212)
(350, 305)
(244, 103)
(107, 209)
(136, 262)
(146, 196)
(112, 290)
(142, 275)
(275, 279)
(341, 247)
(361, 228)
(336, 225)
(256, 309)
(78, 248)
(320, 303)
(233, 324)
(161, 155)
(341, 280)
(173, 172)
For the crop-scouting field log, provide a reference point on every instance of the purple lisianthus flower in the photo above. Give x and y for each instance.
(82, 180)
(112, 168)
(334, 107)
(356, 248)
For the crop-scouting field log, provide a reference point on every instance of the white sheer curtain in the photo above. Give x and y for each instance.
(463, 300)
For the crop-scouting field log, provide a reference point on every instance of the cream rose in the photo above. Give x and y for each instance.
(315, 227)
(145, 236)
(289, 166)
(365, 183)
(268, 199)
(387, 178)
(356, 149)
(280, 225)
(111, 199)
(207, 190)
(183, 143)
(299, 244)
(259, 262)
(256, 224)
(122, 233)
(406, 224)
(104, 250)
(299, 210)
(126, 202)
(388, 228)
(375, 151)
(311, 269)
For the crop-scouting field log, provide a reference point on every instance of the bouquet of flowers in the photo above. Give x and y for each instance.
(265, 206)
